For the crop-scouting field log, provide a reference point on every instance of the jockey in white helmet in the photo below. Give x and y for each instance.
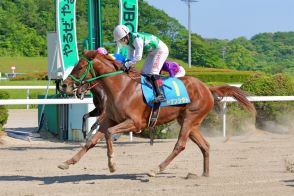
(138, 43)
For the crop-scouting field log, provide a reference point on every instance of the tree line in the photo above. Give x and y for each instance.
(24, 25)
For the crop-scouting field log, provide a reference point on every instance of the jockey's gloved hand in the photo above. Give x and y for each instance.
(126, 67)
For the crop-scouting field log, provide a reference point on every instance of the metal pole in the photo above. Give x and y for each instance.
(100, 34)
(131, 136)
(90, 24)
(189, 29)
(97, 24)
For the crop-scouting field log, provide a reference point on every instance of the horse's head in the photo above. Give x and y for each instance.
(82, 71)
(90, 66)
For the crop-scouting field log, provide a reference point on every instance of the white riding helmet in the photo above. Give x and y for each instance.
(120, 31)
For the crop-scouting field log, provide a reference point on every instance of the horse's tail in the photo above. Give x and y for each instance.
(231, 91)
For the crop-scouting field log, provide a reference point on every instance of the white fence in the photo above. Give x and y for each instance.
(45, 101)
(27, 88)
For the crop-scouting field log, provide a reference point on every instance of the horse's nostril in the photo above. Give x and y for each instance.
(64, 86)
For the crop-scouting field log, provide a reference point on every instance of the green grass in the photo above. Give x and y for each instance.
(25, 83)
(23, 64)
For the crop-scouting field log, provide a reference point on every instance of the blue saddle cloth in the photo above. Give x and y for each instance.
(174, 91)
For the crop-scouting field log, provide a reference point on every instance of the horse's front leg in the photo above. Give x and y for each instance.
(89, 144)
(126, 126)
(110, 155)
(93, 113)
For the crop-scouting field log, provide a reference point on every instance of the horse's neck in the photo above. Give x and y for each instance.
(113, 85)
(116, 85)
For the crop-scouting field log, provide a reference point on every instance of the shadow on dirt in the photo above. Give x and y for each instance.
(289, 183)
(73, 178)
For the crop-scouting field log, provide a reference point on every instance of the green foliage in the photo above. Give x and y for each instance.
(271, 85)
(227, 77)
(3, 110)
(238, 57)
(24, 26)
(274, 52)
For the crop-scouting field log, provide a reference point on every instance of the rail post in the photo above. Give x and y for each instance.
(28, 97)
(224, 119)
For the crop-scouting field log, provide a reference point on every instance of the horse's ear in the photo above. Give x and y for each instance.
(90, 54)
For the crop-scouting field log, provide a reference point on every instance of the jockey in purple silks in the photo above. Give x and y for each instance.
(174, 69)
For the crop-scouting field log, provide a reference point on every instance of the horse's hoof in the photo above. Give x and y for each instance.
(63, 166)
(112, 168)
(205, 174)
(153, 173)
(191, 176)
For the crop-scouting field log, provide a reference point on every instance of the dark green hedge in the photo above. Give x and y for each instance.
(3, 110)
(43, 75)
(227, 77)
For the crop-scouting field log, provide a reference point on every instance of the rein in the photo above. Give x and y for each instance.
(90, 69)
(103, 76)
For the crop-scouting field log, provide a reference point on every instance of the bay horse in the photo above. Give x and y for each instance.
(127, 111)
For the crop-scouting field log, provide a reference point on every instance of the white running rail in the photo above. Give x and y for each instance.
(27, 88)
(45, 101)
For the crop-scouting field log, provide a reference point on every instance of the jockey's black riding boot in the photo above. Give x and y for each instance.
(157, 84)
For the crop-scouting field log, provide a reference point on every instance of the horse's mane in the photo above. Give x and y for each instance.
(93, 54)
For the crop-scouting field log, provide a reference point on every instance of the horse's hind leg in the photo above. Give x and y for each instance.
(198, 139)
(179, 147)
(89, 144)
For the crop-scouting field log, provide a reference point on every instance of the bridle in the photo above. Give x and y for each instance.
(90, 69)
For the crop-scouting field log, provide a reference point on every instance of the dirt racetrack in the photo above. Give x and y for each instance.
(253, 164)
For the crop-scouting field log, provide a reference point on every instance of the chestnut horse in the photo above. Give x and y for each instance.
(99, 101)
(126, 109)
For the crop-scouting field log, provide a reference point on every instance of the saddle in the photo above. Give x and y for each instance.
(174, 90)
(175, 93)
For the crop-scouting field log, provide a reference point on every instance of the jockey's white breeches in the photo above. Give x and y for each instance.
(155, 59)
